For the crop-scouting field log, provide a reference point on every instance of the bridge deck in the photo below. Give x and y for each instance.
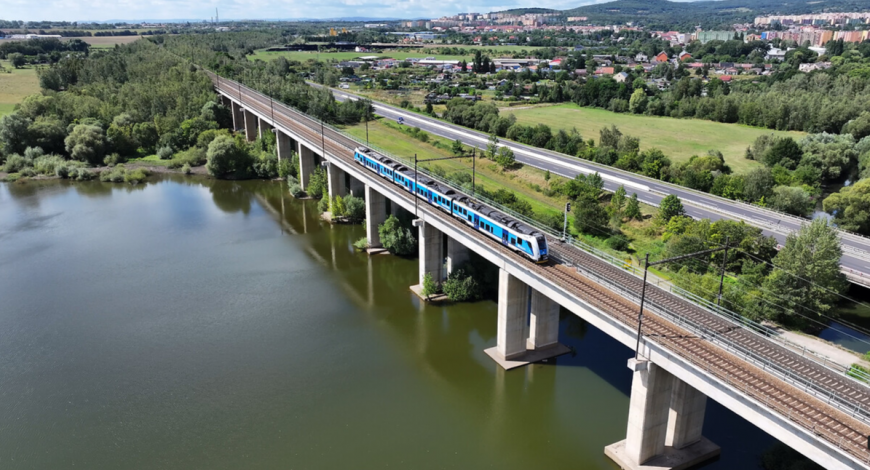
(808, 410)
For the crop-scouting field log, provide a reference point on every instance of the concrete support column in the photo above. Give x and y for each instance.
(238, 116)
(284, 145)
(457, 254)
(335, 177)
(357, 187)
(512, 312)
(306, 165)
(263, 127)
(376, 213)
(544, 322)
(686, 417)
(250, 126)
(431, 256)
(648, 411)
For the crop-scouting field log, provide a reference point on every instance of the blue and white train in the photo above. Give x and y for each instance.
(492, 223)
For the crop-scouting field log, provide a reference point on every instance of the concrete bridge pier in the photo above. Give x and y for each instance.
(284, 145)
(306, 165)
(518, 318)
(457, 255)
(665, 420)
(238, 116)
(376, 213)
(263, 127)
(250, 126)
(335, 177)
(357, 187)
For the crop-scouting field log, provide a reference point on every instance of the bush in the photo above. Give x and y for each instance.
(81, 174)
(296, 190)
(193, 156)
(164, 153)
(186, 169)
(317, 183)
(354, 208)
(62, 171)
(115, 175)
(618, 243)
(15, 163)
(361, 244)
(461, 287)
(323, 206)
(397, 239)
(47, 165)
(135, 176)
(430, 287)
(113, 159)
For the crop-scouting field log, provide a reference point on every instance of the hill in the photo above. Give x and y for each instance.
(524, 11)
(708, 14)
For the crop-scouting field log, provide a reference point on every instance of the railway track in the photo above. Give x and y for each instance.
(700, 337)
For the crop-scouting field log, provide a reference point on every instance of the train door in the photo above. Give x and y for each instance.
(476, 222)
(504, 237)
(429, 197)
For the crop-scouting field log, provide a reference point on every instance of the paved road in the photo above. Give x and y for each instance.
(856, 249)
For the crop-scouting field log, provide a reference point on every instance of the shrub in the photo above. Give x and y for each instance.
(618, 243)
(48, 164)
(354, 208)
(113, 159)
(81, 174)
(164, 153)
(27, 172)
(323, 206)
(361, 244)
(115, 175)
(15, 163)
(430, 287)
(461, 287)
(317, 183)
(193, 156)
(296, 190)
(62, 171)
(186, 169)
(135, 176)
(397, 239)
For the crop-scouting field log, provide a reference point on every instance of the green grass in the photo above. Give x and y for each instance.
(16, 85)
(383, 135)
(679, 139)
(150, 160)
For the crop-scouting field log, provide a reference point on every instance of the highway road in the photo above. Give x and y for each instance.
(856, 249)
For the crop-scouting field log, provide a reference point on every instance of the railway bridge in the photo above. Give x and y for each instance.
(687, 353)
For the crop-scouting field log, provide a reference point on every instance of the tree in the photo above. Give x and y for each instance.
(590, 216)
(457, 147)
(397, 239)
(784, 151)
(14, 133)
(858, 127)
(86, 143)
(430, 287)
(791, 199)
(637, 103)
(670, 207)
(492, 147)
(807, 278)
(429, 109)
(17, 60)
(505, 158)
(632, 209)
(851, 207)
(758, 184)
(226, 157)
(609, 137)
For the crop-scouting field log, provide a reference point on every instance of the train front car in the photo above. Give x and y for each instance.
(543, 251)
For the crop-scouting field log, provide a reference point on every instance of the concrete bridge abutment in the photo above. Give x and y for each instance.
(457, 255)
(263, 127)
(306, 165)
(665, 419)
(284, 145)
(335, 177)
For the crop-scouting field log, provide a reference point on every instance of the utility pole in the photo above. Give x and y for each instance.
(646, 267)
(565, 225)
(722, 274)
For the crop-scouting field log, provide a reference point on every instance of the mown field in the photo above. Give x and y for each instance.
(16, 85)
(677, 138)
(102, 42)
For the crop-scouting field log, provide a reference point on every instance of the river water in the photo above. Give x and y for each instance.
(193, 323)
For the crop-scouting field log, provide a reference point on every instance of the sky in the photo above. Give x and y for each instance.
(133, 10)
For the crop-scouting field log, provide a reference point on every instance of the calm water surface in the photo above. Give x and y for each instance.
(194, 324)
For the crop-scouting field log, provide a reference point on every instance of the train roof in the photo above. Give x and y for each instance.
(498, 216)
